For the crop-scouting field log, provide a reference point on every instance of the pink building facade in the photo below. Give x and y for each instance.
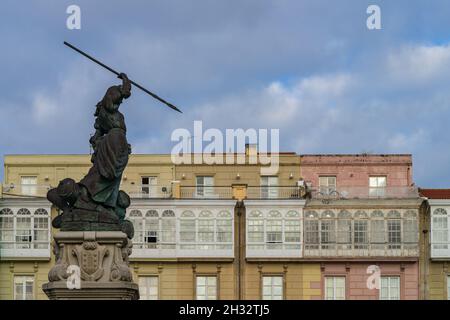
(361, 222)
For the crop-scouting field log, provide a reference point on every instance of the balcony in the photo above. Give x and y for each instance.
(362, 250)
(366, 193)
(206, 192)
(25, 190)
(274, 192)
(146, 191)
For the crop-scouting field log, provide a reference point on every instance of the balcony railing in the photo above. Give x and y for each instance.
(206, 192)
(149, 191)
(362, 250)
(366, 193)
(25, 190)
(274, 192)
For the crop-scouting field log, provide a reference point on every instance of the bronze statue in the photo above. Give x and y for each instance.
(96, 203)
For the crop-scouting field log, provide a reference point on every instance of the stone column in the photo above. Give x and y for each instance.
(99, 258)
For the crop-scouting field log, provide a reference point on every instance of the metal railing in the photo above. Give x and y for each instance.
(274, 192)
(25, 190)
(144, 191)
(366, 193)
(402, 249)
(206, 192)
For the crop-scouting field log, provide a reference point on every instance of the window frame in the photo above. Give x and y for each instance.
(389, 278)
(334, 277)
(272, 276)
(205, 275)
(146, 277)
(25, 275)
(327, 188)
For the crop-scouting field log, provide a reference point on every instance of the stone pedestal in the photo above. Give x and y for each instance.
(91, 265)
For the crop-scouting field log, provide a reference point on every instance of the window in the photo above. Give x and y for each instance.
(328, 230)
(23, 287)
(360, 226)
(187, 230)
(149, 186)
(168, 230)
(377, 186)
(224, 230)
(377, 230)
(6, 229)
(272, 288)
(439, 229)
(344, 224)
(390, 288)
(136, 218)
(205, 186)
(269, 187)
(206, 230)
(29, 185)
(24, 229)
(148, 288)
(410, 229)
(274, 233)
(311, 230)
(327, 184)
(334, 288)
(206, 287)
(394, 230)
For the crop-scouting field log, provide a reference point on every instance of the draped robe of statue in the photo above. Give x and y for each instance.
(111, 149)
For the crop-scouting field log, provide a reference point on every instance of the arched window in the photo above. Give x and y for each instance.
(168, 230)
(439, 229)
(135, 216)
(292, 229)
(151, 229)
(328, 230)
(41, 226)
(377, 230)
(394, 229)
(152, 214)
(311, 230)
(187, 230)
(344, 227)
(361, 229)
(6, 228)
(24, 237)
(255, 230)
(224, 224)
(410, 229)
(206, 230)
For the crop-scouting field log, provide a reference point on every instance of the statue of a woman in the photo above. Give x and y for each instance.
(111, 149)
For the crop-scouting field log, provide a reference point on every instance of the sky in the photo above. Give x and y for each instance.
(310, 68)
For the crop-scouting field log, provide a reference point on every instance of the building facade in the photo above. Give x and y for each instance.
(318, 229)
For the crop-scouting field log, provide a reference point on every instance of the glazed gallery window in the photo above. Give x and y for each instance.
(273, 231)
(334, 288)
(149, 186)
(148, 287)
(440, 232)
(327, 184)
(154, 230)
(448, 287)
(390, 288)
(360, 232)
(206, 231)
(206, 287)
(269, 187)
(377, 186)
(23, 287)
(24, 228)
(272, 287)
(204, 186)
(29, 185)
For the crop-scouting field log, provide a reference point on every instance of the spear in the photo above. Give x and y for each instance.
(117, 73)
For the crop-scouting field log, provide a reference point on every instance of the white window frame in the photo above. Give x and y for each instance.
(28, 185)
(377, 186)
(211, 281)
(146, 285)
(150, 189)
(24, 280)
(260, 216)
(333, 279)
(269, 286)
(269, 187)
(440, 249)
(327, 184)
(31, 248)
(204, 186)
(390, 295)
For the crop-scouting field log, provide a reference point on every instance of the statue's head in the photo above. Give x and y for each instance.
(69, 190)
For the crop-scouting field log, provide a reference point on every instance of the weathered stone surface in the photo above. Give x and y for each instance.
(102, 260)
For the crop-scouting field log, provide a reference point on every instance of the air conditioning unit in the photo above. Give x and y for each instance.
(300, 183)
